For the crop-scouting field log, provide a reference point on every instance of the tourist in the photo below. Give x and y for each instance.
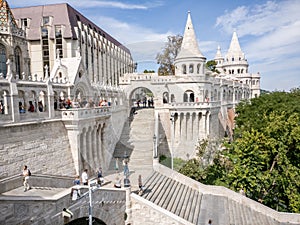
(140, 183)
(100, 179)
(40, 106)
(84, 177)
(126, 169)
(26, 174)
(77, 180)
(31, 107)
(209, 222)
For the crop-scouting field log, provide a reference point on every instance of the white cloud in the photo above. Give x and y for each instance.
(143, 43)
(270, 34)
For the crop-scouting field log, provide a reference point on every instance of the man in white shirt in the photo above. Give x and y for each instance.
(26, 174)
(84, 177)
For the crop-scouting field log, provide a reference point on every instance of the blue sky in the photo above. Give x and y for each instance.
(268, 31)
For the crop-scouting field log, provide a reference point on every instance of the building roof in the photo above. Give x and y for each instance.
(6, 16)
(62, 14)
(189, 46)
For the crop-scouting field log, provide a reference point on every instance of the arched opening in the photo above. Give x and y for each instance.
(188, 96)
(165, 97)
(141, 97)
(18, 62)
(184, 69)
(84, 221)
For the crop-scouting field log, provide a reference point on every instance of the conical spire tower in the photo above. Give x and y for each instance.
(235, 52)
(189, 60)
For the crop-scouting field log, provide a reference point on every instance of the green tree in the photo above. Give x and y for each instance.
(211, 65)
(167, 56)
(264, 157)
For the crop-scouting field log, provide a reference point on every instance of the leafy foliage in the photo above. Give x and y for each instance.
(211, 65)
(167, 56)
(264, 157)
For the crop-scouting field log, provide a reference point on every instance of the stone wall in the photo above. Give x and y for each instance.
(147, 213)
(42, 146)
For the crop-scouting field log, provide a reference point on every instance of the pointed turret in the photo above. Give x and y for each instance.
(235, 52)
(219, 58)
(189, 46)
(189, 60)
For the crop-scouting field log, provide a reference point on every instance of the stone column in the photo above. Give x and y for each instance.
(89, 147)
(184, 127)
(14, 104)
(202, 127)
(50, 99)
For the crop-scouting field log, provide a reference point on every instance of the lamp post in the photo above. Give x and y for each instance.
(154, 147)
(172, 138)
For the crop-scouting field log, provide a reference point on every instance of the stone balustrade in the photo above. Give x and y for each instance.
(84, 113)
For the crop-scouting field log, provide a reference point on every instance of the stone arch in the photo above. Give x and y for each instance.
(22, 101)
(138, 94)
(42, 100)
(32, 98)
(83, 221)
(4, 99)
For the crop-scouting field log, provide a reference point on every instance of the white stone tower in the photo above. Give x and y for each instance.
(235, 65)
(190, 60)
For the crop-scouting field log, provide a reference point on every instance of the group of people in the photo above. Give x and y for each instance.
(85, 178)
(144, 101)
(31, 107)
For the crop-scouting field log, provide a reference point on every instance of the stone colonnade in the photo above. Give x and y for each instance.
(190, 126)
(92, 146)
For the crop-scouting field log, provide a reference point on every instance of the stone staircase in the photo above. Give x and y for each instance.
(192, 205)
(137, 143)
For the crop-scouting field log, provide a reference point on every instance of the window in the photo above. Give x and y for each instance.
(46, 20)
(188, 96)
(184, 69)
(58, 41)
(18, 60)
(165, 97)
(191, 68)
(3, 68)
(24, 22)
(198, 68)
(45, 49)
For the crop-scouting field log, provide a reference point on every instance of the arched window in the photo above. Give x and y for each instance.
(3, 68)
(172, 98)
(191, 68)
(189, 96)
(184, 69)
(198, 68)
(165, 97)
(18, 55)
(185, 97)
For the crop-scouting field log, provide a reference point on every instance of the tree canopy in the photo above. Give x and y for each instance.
(264, 157)
(167, 56)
